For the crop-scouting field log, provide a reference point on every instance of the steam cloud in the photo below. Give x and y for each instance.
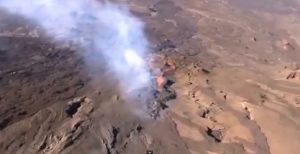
(113, 31)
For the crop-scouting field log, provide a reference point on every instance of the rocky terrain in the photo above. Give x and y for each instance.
(233, 88)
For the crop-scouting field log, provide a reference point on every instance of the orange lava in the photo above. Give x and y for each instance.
(161, 66)
(160, 80)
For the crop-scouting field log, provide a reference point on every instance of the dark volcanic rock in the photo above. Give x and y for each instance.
(216, 134)
(73, 106)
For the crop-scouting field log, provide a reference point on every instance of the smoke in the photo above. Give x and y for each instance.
(102, 27)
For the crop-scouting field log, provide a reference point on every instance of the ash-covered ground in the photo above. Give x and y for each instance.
(230, 84)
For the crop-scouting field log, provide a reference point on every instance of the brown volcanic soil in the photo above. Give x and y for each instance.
(237, 84)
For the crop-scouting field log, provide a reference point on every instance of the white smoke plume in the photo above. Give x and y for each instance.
(113, 31)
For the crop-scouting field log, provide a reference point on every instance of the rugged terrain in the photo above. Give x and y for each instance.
(237, 84)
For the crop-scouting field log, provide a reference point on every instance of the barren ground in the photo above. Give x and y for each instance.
(237, 84)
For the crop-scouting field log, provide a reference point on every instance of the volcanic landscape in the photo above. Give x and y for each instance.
(225, 79)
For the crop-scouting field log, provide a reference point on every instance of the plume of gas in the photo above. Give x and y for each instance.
(114, 32)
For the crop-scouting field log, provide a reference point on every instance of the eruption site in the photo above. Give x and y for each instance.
(108, 30)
